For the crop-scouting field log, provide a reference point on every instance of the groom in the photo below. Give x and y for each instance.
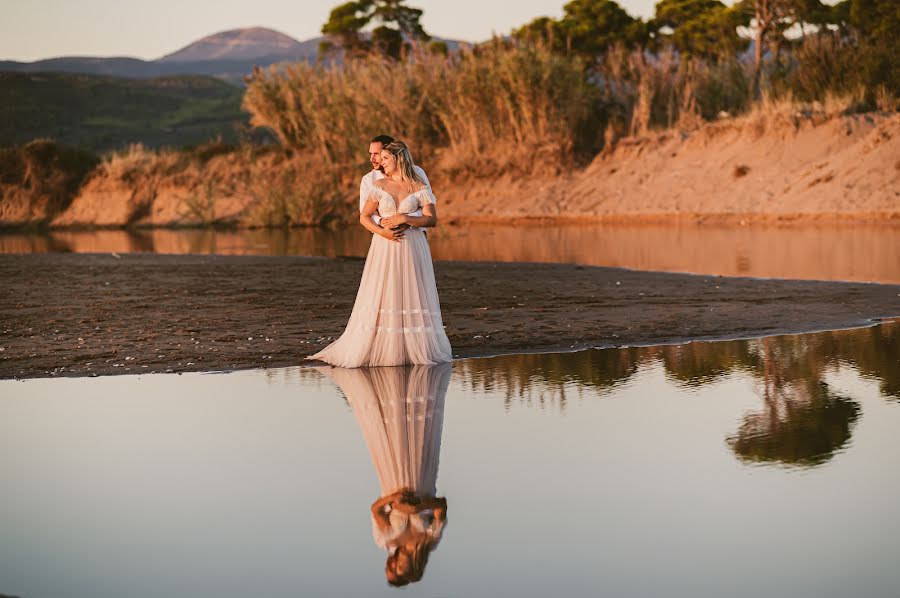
(367, 184)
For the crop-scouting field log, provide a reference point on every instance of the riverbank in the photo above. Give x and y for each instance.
(766, 167)
(92, 314)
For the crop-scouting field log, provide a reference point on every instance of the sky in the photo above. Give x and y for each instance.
(35, 29)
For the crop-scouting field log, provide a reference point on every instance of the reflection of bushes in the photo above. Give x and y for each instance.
(875, 352)
(695, 364)
(519, 375)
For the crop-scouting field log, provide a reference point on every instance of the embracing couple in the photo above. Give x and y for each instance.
(396, 319)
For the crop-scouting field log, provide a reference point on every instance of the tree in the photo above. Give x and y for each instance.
(588, 28)
(876, 27)
(397, 25)
(592, 26)
(705, 28)
(543, 30)
(769, 20)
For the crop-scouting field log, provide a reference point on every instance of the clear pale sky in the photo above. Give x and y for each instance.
(35, 29)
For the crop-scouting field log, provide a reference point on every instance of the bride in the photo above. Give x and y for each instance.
(396, 317)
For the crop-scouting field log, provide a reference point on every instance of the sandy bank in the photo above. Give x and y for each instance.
(775, 168)
(97, 314)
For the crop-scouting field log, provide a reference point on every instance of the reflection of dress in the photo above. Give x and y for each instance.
(401, 412)
(396, 318)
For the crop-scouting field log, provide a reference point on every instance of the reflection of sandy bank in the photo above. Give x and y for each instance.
(851, 252)
(859, 252)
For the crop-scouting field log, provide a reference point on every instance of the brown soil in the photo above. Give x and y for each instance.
(90, 314)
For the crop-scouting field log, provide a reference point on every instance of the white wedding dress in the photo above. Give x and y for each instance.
(400, 411)
(396, 319)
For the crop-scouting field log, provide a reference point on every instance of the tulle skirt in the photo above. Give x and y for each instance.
(396, 319)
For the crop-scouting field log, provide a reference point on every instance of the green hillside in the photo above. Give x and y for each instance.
(103, 113)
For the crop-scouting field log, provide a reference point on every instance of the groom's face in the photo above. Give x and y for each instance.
(375, 155)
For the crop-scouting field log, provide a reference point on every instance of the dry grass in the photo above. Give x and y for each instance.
(479, 112)
(39, 179)
(285, 192)
(128, 165)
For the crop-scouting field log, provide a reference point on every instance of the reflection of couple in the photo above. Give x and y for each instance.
(401, 411)
(396, 318)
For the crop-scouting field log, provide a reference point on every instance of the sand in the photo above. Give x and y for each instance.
(99, 314)
(757, 168)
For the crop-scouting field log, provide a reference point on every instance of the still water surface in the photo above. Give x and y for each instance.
(858, 252)
(767, 467)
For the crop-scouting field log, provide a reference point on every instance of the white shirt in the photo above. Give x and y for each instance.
(367, 185)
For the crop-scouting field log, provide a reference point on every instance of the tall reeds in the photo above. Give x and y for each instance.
(479, 112)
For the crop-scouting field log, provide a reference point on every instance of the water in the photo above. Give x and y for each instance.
(768, 467)
(858, 252)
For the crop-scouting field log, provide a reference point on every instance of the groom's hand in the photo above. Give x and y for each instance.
(393, 235)
(398, 232)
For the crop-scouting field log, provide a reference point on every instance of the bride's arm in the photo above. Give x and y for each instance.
(428, 218)
(365, 218)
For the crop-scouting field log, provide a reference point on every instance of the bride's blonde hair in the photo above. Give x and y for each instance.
(405, 164)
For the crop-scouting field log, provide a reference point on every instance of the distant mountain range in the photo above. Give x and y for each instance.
(227, 55)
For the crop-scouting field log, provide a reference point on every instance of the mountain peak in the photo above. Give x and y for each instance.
(238, 44)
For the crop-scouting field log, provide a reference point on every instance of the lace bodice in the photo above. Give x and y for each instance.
(387, 206)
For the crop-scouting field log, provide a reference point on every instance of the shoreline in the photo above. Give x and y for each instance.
(96, 314)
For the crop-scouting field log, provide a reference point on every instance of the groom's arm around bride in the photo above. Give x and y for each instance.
(367, 183)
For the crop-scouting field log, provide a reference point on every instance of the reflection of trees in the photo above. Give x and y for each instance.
(696, 364)
(874, 352)
(805, 424)
(802, 420)
(544, 378)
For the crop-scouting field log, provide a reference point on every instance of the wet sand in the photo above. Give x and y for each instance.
(98, 314)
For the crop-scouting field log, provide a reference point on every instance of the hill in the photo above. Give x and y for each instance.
(250, 43)
(102, 113)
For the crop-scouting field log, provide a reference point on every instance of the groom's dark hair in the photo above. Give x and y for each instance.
(383, 139)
